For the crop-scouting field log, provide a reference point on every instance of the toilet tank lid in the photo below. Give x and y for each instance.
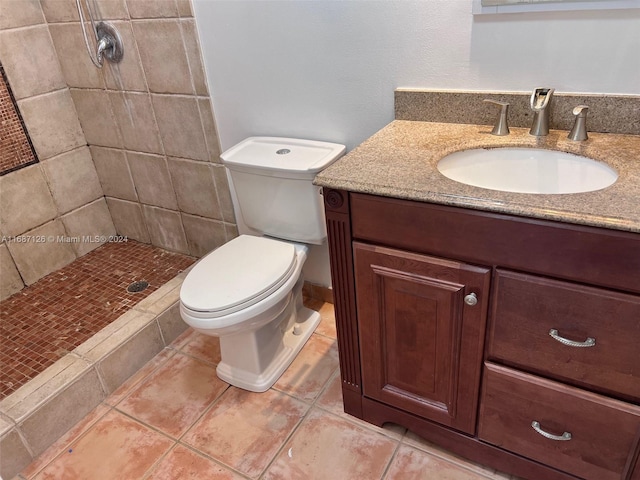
(283, 154)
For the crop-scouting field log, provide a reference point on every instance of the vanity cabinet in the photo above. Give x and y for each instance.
(509, 340)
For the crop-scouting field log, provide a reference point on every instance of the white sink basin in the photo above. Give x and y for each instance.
(527, 170)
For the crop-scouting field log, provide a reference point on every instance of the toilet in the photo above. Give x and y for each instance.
(248, 292)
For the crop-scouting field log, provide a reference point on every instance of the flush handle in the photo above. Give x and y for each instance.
(471, 299)
(589, 342)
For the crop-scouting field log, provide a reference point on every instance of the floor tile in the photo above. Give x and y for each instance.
(413, 464)
(311, 369)
(115, 447)
(327, 325)
(175, 395)
(204, 347)
(184, 464)
(244, 430)
(331, 400)
(329, 447)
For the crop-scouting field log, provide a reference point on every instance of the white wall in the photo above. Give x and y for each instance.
(326, 70)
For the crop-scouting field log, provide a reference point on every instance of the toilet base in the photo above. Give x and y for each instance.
(257, 378)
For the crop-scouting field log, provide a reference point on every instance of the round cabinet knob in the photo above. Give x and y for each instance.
(471, 299)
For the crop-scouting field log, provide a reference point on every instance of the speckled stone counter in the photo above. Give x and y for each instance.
(400, 161)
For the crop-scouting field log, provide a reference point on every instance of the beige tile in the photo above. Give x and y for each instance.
(412, 464)
(128, 220)
(171, 324)
(165, 228)
(113, 172)
(62, 411)
(127, 74)
(325, 444)
(52, 138)
(96, 117)
(201, 346)
(89, 227)
(195, 187)
(60, 10)
(115, 447)
(15, 454)
(231, 231)
(64, 441)
(160, 44)
(77, 68)
(175, 395)
(152, 8)
(331, 400)
(224, 194)
(20, 13)
(180, 127)
(111, 9)
(73, 179)
(126, 359)
(10, 281)
(45, 254)
(20, 188)
(244, 430)
(134, 115)
(210, 129)
(311, 369)
(192, 47)
(30, 61)
(184, 8)
(182, 463)
(203, 235)
(152, 180)
(164, 297)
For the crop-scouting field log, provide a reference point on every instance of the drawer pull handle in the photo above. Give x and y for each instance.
(561, 438)
(589, 342)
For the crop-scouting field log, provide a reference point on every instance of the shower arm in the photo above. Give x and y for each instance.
(109, 43)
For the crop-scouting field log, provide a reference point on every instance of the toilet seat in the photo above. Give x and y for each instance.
(237, 275)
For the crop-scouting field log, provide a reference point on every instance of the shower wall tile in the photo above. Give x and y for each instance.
(96, 117)
(128, 220)
(180, 126)
(134, 115)
(152, 180)
(92, 224)
(26, 201)
(72, 179)
(210, 130)
(20, 13)
(171, 324)
(113, 172)
(203, 234)
(152, 8)
(77, 68)
(190, 38)
(112, 10)
(30, 61)
(184, 8)
(195, 187)
(160, 44)
(39, 258)
(61, 10)
(10, 280)
(165, 229)
(224, 195)
(128, 74)
(15, 454)
(52, 138)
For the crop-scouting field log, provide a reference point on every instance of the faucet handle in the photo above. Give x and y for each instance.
(501, 127)
(579, 130)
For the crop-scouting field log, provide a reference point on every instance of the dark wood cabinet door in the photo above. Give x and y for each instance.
(421, 342)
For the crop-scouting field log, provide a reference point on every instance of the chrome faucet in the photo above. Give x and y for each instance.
(540, 103)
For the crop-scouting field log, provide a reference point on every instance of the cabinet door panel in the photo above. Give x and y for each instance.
(420, 343)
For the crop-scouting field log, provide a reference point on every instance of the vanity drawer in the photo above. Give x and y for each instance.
(604, 432)
(527, 309)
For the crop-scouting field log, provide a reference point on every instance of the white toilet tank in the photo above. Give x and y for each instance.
(273, 179)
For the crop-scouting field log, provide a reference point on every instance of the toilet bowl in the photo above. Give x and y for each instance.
(248, 292)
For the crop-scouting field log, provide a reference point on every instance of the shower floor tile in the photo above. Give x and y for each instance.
(46, 320)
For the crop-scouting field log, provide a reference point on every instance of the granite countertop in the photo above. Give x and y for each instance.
(400, 161)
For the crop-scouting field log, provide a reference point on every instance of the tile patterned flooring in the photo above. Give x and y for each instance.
(46, 320)
(175, 419)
